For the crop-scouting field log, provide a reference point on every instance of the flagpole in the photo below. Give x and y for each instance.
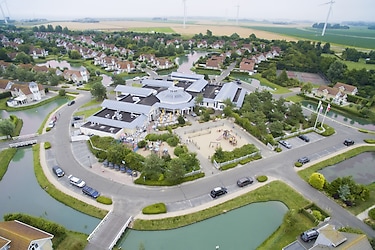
(325, 114)
(318, 112)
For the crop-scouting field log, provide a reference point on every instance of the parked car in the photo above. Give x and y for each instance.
(51, 124)
(76, 181)
(90, 192)
(348, 142)
(304, 138)
(193, 114)
(244, 181)
(58, 171)
(71, 103)
(303, 160)
(285, 144)
(218, 191)
(309, 235)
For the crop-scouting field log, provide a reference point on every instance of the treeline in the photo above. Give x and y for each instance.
(330, 26)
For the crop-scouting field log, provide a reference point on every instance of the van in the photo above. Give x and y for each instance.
(309, 235)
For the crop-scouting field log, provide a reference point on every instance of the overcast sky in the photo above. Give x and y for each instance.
(281, 10)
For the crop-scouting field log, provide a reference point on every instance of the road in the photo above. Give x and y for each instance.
(129, 199)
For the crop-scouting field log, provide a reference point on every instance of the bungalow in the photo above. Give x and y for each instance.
(215, 62)
(20, 236)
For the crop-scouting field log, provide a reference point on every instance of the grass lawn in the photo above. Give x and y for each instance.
(6, 156)
(355, 65)
(275, 190)
(277, 88)
(360, 206)
(93, 102)
(87, 113)
(295, 98)
(72, 241)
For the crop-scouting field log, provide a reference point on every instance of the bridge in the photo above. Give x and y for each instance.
(22, 143)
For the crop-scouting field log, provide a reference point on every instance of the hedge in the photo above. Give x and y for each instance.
(157, 208)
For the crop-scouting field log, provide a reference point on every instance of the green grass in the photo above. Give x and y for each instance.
(275, 190)
(152, 29)
(72, 241)
(295, 98)
(354, 65)
(93, 102)
(306, 173)
(87, 113)
(277, 88)
(359, 37)
(61, 196)
(6, 156)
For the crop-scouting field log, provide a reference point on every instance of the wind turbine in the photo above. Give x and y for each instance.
(238, 11)
(329, 12)
(2, 11)
(184, 1)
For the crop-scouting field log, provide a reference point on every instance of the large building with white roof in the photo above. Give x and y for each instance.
(158, 103)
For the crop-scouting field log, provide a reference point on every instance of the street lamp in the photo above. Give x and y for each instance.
(89, 161)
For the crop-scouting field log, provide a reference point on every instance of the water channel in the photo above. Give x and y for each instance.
(343, 118)
(21, 193)
(185, 63)
(360, 167)
(242, 228)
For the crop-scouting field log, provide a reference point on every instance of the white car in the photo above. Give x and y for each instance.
(76, 181)
(51, 124)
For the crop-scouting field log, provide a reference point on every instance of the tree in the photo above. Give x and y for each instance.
(209, 33)
(175, 170)
(276, 128)
(307, 87)
(153, 167)
(317, 180)
(336, 71)
(6, 127)
(198, 100)
(62, 92)
(98, 91)
(118, 80)
(23, 58)
(74, 54)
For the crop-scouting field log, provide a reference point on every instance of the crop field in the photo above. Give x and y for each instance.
(152, 29)
(360, 37)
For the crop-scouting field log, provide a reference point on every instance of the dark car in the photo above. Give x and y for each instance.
(309, 235)
(58, 171)
(218, 191)
(304, 138)
(285, 144)
(90, 192)
(348, 142)
(244, 181)
(71, 103)
(303, 160)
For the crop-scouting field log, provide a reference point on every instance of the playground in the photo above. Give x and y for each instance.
(207, 140)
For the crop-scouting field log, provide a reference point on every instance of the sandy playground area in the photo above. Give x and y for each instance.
(207, 140)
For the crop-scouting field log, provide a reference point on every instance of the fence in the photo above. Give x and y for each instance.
(219, 165)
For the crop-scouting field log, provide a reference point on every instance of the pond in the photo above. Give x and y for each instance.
(185, 63)
(60, 64)
(343, 118)
(21, 193)
(360, 167)
(243, 228)
(33, 118)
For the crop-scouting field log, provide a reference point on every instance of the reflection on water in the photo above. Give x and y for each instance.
(33, 118)
(344, 118)
(185, 63)
(360, 167)
(21, 193)
(242, 228)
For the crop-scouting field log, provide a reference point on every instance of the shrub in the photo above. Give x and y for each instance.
(328, 130)
(173, 141)
(47, 145)
(262, 178)
(142, 144)
(298, 164)
(48, 129)
(104, 200)
(370, 141)
(317, 180)
(181, 149)
(157, 208)
(371, 213)
(318, 215)
(278, 150)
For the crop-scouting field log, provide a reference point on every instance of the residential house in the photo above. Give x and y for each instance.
(215, 62)
(20, 236)
(346, 88)
(162, 63)
(247, 65)
(125, 66)
(22, 92)
(38, 52)
(77, 76)
(328, 93)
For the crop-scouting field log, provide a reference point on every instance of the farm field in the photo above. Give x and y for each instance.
(356, 65)
(359, 37)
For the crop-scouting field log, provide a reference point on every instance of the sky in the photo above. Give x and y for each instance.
(273, 10)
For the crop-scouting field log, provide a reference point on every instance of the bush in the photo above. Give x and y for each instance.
(318, 215)
(317, 180)
(47, 145)
(158, 208)
(48, 129)
(371, 213)
(104, 200)
(328, 130)
(298, 164)
(142, 144)
(369, 141)
(262, 178)
(278, 149)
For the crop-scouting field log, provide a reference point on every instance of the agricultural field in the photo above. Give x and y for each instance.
(356, 65)
(359, 37)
